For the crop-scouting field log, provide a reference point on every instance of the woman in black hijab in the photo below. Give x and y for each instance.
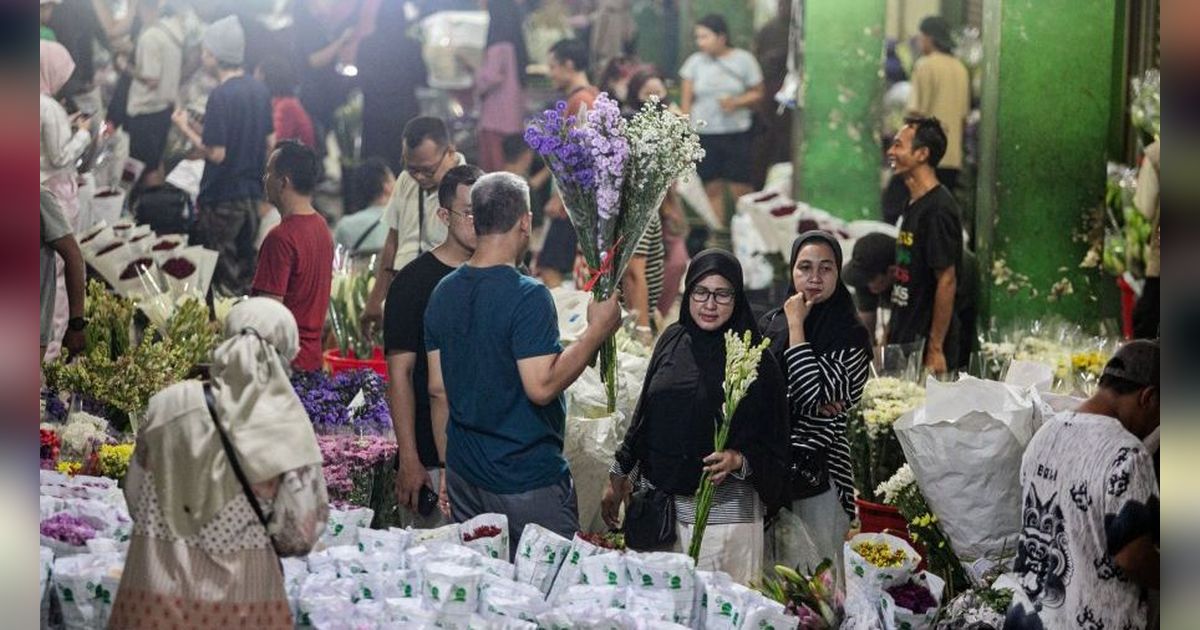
(826, 353)
(670, 439)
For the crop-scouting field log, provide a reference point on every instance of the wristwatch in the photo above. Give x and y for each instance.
(77, 324)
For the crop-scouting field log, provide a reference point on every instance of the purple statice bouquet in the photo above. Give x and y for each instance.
(350, 463)
(612, 176)
(328, 400)
(69, 529)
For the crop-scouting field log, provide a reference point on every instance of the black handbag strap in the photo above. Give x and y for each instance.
(420, 220)
(363, 238)
(233, 460)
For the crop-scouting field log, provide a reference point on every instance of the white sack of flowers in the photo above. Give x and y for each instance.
(965, 447)
(569, 574)
(588, 447)
(86, 586)
(908, 619)
(451, 588)
(540, 552)
(486, 534)
(674, 573)
(891, 560)
(343, 525)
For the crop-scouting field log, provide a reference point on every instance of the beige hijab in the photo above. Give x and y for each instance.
(257, 407)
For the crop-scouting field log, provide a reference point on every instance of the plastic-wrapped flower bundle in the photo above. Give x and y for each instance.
(353, 401)
(351, 464)
(68, 529)
(874, 448)
(1145, 106)
(612, 176)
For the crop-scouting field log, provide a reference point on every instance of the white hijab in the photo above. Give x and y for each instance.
(257, 407)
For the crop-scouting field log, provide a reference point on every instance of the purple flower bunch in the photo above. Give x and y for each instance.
(558, 138)
(327, 400)
(67, 528)
(349, 462)
(610, 150)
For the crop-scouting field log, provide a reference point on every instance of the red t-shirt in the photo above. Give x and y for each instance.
(296, 261)
(291, 121)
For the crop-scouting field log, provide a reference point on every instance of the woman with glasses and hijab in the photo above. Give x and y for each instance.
(825, 353)
(669, 442)
(225, 478)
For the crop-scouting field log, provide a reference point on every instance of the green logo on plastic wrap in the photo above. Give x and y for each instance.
(460, 594)
(676, 583)
(612, 578)
(647, 580)
(575, 557)
(726, 610)
(68, 595)
(858, 570)
(408, 590)
(433, 592)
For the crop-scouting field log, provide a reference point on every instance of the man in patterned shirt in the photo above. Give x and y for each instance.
(1089, 527)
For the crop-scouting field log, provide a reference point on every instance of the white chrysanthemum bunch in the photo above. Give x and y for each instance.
(890, 490)
(885, 399)
(82, 433)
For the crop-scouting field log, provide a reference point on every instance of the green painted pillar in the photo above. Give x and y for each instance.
(1044, 137)
(839, 157)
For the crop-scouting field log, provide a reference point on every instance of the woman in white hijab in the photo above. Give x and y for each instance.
(201, 555)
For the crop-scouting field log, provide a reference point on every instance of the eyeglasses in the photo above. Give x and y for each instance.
(724, 297)
(427, 171)
(466, 215)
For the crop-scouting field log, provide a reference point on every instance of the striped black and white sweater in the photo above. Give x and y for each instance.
(815, 380)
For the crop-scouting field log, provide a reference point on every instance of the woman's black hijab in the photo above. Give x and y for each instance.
(672, 429)
(505, 25)
(831, 325)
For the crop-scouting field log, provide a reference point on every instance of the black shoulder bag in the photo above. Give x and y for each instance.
(649, 520)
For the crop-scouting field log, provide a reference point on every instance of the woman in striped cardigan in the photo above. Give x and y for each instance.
(825, 352)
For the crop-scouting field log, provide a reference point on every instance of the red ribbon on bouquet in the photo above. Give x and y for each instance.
(605, 266)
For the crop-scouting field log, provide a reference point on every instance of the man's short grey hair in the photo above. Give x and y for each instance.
(498, 201)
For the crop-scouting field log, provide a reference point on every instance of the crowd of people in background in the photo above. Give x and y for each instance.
(463, 270)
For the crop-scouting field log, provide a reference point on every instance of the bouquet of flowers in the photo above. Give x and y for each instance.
(813, 598)
(1145, 107)
(347, 297)
(351, 464)
(121, 374)
(114, 459)
(976, 609)
(353, 401)
(612, 176)
(873, 445)
(902, 492)
(741, 370)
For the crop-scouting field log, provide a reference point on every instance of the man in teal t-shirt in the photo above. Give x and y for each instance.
(497, 373)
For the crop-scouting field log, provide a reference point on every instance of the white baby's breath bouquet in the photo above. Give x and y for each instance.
(741, 370)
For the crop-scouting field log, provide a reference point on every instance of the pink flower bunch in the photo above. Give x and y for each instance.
(349, 463)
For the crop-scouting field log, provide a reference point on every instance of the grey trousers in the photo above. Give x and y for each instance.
(554, 507)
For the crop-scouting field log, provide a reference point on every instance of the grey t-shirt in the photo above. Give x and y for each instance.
(54, 227)
(715, 78)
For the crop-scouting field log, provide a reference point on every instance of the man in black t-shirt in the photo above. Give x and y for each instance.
(237, 136)
(404, 343)
(928, 248)
(871, 272)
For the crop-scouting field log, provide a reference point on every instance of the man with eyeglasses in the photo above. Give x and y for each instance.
(408, 370)
(411, 215)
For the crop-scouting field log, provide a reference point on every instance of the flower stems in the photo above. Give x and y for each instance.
(608, 371)
(703, 507)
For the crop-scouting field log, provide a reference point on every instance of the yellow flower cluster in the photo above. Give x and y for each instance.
(68, 467)
(114, 459)
(1091, 362)
(925, 520)
(880, 554)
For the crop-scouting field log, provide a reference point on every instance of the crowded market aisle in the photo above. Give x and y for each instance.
(386, 315)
